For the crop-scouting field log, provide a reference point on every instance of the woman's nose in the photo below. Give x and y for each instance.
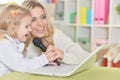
(39, 22)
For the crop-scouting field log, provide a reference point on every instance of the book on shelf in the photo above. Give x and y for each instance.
(51, 1)
(48, 1)
(104, 11)
(107, 6)
(96, 11)
(83, 15)
(72, 17)
(89, 16)
(101, 11)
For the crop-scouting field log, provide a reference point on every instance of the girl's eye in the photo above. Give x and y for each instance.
(26, 26)
(33, 19)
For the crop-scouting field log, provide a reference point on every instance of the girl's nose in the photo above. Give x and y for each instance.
(29, 29)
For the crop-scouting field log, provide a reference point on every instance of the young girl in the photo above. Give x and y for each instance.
(15, 24)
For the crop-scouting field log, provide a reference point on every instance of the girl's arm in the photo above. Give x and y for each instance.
(14, 60)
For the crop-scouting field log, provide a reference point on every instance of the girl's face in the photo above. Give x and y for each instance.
(39, 22)
(24, 29)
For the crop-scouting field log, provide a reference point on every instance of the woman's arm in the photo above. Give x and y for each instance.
(73, 53)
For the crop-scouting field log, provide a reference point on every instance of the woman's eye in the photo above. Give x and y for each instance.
(43, 17)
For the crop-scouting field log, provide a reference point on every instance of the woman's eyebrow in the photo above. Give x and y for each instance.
(43, 15)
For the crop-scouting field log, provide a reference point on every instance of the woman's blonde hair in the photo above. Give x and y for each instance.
(10, 18)
(48, 38)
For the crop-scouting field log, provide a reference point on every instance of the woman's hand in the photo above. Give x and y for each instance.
(60, 54)
(53, 53)
(50, 54)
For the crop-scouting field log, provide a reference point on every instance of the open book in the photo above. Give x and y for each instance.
(66, 70)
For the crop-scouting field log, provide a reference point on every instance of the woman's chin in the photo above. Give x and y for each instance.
(40, 35)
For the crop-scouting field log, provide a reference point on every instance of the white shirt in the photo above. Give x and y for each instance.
(73, 53)
(12, 59)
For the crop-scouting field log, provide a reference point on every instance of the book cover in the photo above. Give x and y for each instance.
(72, 17)
(96, 11)
(83, 15)
(54, 1)
(89, 16)
(107, 6)
(48, 1)
(102, 11)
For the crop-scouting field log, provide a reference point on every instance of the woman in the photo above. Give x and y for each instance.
(66, 50)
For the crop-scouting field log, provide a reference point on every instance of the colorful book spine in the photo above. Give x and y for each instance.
(107, 6)
(48, 1)
(96, 12)
(101, 11)
(83, 15)
(54, 1)
(72, 17)
(89, 16)
(75, 19)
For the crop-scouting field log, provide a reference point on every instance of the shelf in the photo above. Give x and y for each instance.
(68, 24)
(78, 28)
(91, 23)
(117, 26)
(84, 25)
(57, 22)
(100, 25)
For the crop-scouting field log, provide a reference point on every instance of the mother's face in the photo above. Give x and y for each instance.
(39, 22)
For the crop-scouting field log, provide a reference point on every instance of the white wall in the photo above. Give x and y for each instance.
(18, 1)
(6, 1)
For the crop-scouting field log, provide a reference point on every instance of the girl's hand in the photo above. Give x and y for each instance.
(52, 64)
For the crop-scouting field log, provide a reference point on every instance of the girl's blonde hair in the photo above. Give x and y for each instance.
(48, 38)
(10, 18)
(1, 5)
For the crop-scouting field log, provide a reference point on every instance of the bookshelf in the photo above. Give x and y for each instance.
(89, 34)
